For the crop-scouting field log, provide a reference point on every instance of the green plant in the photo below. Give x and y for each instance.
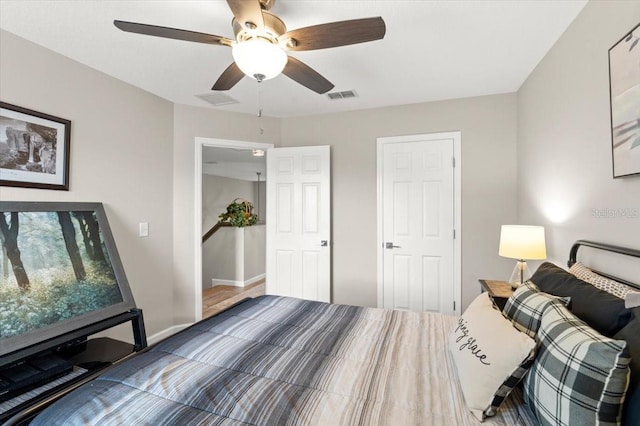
(239, 214)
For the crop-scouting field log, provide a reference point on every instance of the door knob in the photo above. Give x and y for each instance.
(391, 246)
(324, 243)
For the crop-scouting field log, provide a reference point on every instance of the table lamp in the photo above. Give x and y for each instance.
(522, 242)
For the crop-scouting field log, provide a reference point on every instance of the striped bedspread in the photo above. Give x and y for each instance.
(284, 361)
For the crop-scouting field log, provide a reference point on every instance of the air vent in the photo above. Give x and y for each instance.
(342, 95)
(217, 99)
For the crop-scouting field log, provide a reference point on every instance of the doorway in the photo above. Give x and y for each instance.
(419, 222)
(229, 288)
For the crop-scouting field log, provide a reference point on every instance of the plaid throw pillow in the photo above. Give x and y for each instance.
(509, 384)
(579, 376)
(525, 307)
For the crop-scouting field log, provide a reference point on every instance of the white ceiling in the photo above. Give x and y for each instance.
(432, 50)
(233, 163)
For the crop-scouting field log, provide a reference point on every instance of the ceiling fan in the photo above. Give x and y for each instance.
(262, 40)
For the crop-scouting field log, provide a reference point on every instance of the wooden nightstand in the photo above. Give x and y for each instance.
(499, 291)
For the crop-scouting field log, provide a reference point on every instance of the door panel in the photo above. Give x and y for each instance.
(310, 274)
(299, 179)
(418, 221)
(430, 283)
(402, 279)
(284, 197)
(431, 209)
(310, 207)
(401, 208)
(284, 271)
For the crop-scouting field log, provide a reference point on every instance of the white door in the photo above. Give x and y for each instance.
(299, 223)
(417, 207)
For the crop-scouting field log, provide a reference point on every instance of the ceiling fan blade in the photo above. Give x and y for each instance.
(228, 78)
(307, 76)
(247, 11)
(335, 34)
(174, 33)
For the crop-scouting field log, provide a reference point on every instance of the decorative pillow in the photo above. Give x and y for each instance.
(579, 376)
(631, 334)
(490, 355)
(601, 310)
(525, 307)
(630, 295)
(631, 413)
(632, 300)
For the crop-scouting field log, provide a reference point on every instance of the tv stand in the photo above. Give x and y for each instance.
(32, 373)
(87, 357)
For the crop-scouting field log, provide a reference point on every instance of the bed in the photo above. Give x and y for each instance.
(277, 360)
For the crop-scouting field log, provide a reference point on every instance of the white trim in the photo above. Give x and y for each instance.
(457, 208)
(234, 283)
(201, 142)
(166, 333)
(255, 279)
(237, 283)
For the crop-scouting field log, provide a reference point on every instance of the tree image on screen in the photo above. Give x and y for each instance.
(53, 267)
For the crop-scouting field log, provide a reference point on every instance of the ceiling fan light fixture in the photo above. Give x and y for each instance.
(259, 58)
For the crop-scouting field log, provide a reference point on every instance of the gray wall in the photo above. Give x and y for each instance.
(121, 155)
(255, 249)
(564, 139)
(488, 126)
(219, 257)
(219, 251)
(218, 192)
(260, 206)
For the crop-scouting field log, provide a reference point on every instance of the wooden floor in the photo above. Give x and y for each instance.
(220, 297)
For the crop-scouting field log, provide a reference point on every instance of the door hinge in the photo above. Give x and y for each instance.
(453, 160)
(454, 234)
(454, 306)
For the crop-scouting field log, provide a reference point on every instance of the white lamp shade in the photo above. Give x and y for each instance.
(259, 57)
(522, 242)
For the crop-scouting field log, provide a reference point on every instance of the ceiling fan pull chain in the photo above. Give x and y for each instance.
(260, 127)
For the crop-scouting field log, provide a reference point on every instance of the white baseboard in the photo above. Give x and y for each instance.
(165, 333)
(233, 283)
(255, 279)
(216, 282)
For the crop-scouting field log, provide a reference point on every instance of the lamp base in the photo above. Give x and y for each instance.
(519, 275)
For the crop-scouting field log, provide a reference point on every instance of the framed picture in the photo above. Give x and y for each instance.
(624, 85)
(34, 149)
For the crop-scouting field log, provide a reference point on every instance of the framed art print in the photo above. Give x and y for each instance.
(34, 149)
(624, 83)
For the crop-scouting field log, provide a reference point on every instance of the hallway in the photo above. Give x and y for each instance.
(219, 298)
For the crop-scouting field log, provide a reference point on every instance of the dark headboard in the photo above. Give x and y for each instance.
(573, 254)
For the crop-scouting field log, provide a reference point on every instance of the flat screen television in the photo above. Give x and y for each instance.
(59, 272)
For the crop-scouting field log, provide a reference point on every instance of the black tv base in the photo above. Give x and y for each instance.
(87, 358)
(99, 354)
(31, 374)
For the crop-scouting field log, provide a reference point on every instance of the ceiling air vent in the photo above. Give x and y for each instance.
(342, 95)
(217, 99)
